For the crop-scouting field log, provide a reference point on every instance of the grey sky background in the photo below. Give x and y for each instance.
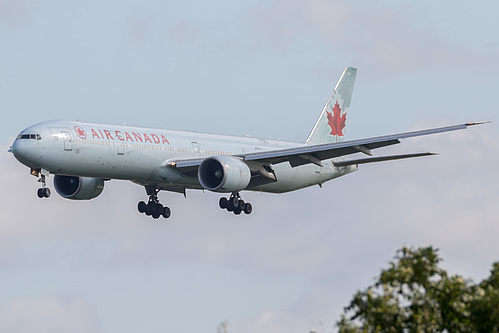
(263, 68)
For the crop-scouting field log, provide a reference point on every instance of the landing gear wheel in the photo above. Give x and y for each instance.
(248, 208)
(240, 205)
(43, 192)
(142, 207)
(166, 212)
(223, 203)
(237, 211)
(157, 210)
(234, 201)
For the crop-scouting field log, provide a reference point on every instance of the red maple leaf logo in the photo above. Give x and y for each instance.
(336, 121)
(81, 132)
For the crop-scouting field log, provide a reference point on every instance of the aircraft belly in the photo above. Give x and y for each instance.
(291, 179)
(170, 177)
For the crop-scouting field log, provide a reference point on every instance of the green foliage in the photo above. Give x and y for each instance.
(415, 295)
(485, 307)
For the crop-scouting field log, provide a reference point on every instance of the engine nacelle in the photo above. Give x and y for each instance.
(78, 188)
(224, 174)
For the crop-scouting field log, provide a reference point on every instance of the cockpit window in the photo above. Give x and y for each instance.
(29, 136)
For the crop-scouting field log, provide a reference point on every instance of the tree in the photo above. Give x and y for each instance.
(416, 295)
(485, 307)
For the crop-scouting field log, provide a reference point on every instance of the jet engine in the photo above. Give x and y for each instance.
(224, 174)
(78, 188)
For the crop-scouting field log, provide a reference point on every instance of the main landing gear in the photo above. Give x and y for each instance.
(153, 207)
(43, 192)
(235, 204)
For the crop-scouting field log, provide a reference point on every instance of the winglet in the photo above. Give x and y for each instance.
(478, 123)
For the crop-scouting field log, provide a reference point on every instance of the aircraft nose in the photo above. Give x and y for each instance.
(19, 149)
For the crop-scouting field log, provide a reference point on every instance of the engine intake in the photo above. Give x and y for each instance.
(78, 188)
(224, 174)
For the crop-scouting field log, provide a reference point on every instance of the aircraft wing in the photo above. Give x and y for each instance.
(316, 153)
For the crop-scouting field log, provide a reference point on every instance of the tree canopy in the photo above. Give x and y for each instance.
(416, 295)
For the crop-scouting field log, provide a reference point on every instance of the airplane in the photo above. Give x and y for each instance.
(82, 156)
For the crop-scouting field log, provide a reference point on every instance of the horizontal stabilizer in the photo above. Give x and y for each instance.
(380, 159)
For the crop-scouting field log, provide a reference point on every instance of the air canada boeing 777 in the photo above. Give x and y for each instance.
(82, 156)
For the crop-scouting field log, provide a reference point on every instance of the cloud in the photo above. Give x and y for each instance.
(282, 24)
(382, 39)
(51, 314)
(167, 26)
(16, 13)
(13, 10)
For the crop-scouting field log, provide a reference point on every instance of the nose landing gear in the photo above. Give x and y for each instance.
(43, 192)
(235, 204)
(153, 207)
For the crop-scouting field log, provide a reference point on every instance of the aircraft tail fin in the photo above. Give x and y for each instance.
(330, 127)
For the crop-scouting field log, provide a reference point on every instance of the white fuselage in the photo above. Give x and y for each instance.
(141, 155)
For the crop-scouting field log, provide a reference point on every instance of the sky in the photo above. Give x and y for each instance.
(259, 68)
